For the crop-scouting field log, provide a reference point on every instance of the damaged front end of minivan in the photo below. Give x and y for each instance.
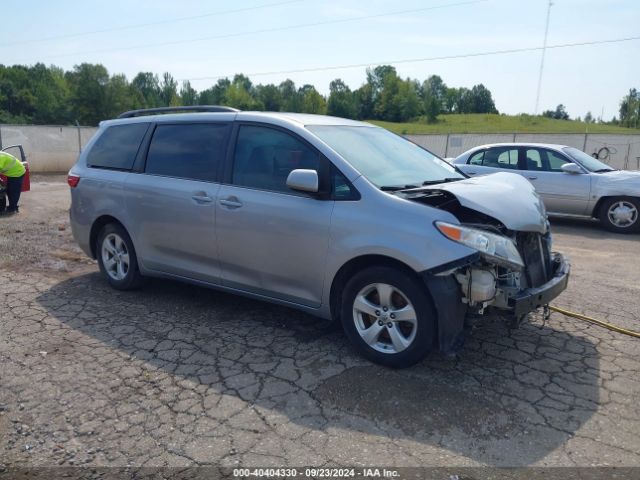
(514, 269)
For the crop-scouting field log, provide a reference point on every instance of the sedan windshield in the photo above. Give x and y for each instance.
(385, 159)
(587, 161)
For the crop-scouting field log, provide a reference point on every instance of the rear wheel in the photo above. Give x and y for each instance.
(388, 316)
(621, 214)
(117, 258)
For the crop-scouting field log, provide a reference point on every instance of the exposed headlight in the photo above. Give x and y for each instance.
(497, 249)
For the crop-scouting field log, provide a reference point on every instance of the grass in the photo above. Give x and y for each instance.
(489, 123)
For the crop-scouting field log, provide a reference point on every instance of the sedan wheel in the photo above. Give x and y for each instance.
(621, 214)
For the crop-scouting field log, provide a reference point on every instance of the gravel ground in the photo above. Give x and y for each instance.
(176, 375)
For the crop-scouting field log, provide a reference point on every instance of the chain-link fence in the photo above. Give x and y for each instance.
(56, 148)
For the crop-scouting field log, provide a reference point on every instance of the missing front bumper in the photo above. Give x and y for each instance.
(534, 298)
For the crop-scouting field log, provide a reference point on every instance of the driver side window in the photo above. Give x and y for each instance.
(556, 161)
(264, 157)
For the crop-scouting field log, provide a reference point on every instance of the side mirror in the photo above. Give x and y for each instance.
(571, 168)
(303, 180)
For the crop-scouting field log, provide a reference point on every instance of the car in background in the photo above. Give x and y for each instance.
(18, 152)
(570, 182)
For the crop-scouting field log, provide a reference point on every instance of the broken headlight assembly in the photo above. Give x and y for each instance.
(495, 249)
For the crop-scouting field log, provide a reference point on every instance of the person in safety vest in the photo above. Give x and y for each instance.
(14, 170)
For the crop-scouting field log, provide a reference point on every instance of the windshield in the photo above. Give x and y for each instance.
(385, 159)
(587, 161)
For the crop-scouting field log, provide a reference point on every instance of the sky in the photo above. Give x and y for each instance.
(204, 40)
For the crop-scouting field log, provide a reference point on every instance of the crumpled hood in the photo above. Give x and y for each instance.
(619, 182)
(507, 197)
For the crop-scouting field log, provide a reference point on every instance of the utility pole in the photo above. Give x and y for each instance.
(544, 49)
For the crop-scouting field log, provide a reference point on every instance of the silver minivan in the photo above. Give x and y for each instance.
(338, 218)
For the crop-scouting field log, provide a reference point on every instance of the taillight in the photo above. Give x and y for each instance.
(73, 180)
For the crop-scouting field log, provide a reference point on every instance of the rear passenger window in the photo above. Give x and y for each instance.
(264, 157)
(191, 151)
(501, 158)
(117, 147)
(476, 158)
(533, 158)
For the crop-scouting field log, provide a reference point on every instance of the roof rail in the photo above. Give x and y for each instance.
(190, 108)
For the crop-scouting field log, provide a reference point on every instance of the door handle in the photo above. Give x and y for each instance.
(471, 173)
(202, 199)
(532, 178)
(231, 202)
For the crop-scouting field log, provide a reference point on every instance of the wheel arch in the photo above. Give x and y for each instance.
(444, 292)
(354, 265)
(598, 206)
(98, 225)
(595, 213)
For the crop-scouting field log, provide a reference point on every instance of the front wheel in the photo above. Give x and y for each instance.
(117, 258)
(388, 316)
(621, 214)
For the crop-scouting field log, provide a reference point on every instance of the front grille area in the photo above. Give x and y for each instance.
(534, 249)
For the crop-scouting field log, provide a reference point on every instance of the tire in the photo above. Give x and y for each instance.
(117, 258)
(620, 214)
(393, 342)
(3, 201)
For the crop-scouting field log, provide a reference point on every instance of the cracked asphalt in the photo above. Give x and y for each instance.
(175, 375)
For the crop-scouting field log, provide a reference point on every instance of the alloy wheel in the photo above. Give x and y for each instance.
(115, 256)
(385, 318)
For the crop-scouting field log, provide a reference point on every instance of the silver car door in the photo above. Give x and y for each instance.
(272, 240)
(172, 204)
(563, 193)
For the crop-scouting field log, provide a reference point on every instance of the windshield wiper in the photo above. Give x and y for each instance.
(396, 188)
(442, 180)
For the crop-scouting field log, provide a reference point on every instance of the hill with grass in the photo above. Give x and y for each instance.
(493, 123)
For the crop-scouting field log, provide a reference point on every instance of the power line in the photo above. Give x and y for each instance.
(425, 59)
(149, 24)
(270, 30)
(544, 49)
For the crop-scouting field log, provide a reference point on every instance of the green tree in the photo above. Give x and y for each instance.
(434, 97)
(188, 95)
(169, 91)
(238, 95)
(481, 100)
(121, 96)
(148, 86)
(89, 98)
(215, 95)
(291, 101)
(341, 102)
(311, 100)
(269, 96)
(409, 99)
(364, 102)
(560, 113)
(630, 109)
